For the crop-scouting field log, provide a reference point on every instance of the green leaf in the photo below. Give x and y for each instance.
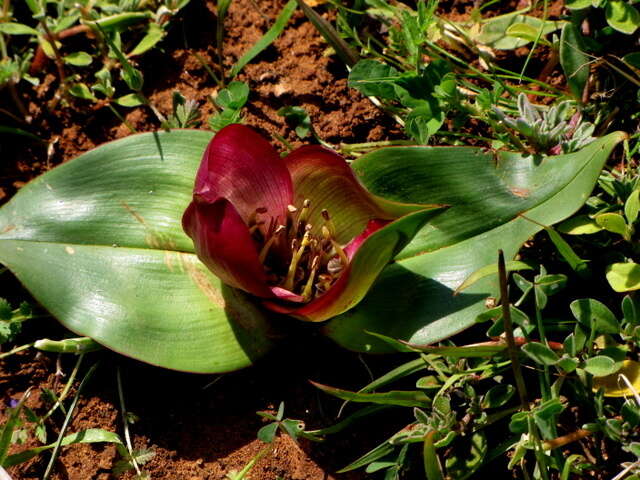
(234, 96)
(10, 28)
(432, 468)
(632, 206)
(579, 225)
(154, 34)
(600, 366)
(297, 117)
(573, 60)
(267, 433)
(494, 31)
(130, 100)
(523, 31)
(80, 90)
(577, 4)
(594, 315)
(632, 59)
(612, 222)
(373, 78)
(622, 16)
(497, 396)
(576, 263)
(511, 266)
(268, 38)
(467, 456)
(91, 435)
(624, 277)
(98, 241)
(78, 59)
(540, 353)
(495, 202)
(400, 398)
(342, 48)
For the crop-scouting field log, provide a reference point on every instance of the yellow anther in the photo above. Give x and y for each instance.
(329, 223)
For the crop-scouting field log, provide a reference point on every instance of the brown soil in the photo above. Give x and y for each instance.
(198, 431)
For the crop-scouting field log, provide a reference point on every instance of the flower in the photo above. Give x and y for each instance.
(300, 232)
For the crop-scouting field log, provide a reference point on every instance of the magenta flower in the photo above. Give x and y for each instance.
(300, 232)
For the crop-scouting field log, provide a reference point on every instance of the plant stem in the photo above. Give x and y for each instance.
(15, 350)
(67, 420)
(123, 411)
(508, 329)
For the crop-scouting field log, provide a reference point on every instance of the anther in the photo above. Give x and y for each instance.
(265, 248)
(329, 223)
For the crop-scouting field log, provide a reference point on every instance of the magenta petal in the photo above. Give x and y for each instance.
(241, 166)
(284, 294)
(372, 227)
(223, 243)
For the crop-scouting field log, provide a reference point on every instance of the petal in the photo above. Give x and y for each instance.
(377, 247)
(325, 178)
(241, 166)
(224, 245)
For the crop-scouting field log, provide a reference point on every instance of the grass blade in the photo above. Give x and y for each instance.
(344, 51)
(268, 38)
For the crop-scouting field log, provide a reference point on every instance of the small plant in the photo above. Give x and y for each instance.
(548, 130)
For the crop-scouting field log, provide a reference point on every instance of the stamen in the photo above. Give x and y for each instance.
(340, 252)
(253, 218)
(308, 288)
(255, 227)
(265, 248)
(329, 223)
(293, 266)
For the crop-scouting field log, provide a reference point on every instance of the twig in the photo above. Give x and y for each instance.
(508, 330)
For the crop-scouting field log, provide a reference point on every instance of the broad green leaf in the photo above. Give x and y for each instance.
(494, 30)
(622, 16)
(624, 277)
(613, 222)
(268, 38)
(579, 225)
(573, 60)
(511, 266)
(632, 206)
(594, 315)
(98, 241)
(234, 96)
(497, 202)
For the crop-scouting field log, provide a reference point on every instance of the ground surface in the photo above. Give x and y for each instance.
(199, 429)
